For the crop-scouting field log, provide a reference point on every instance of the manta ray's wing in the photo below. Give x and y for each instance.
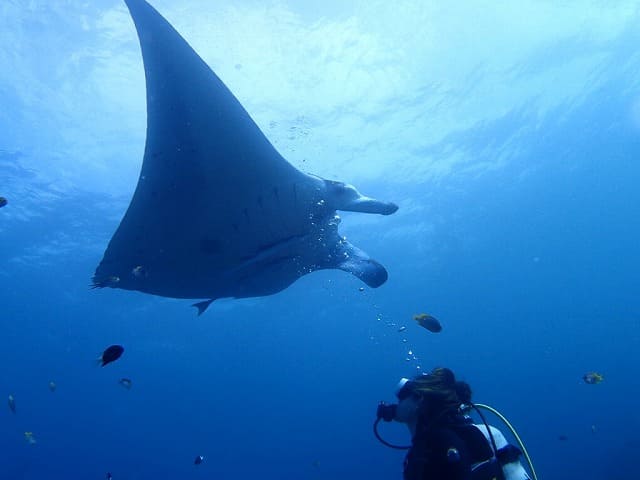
(217, 211)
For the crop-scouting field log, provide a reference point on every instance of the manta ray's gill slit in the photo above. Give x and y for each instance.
(267, 212)
(281, 219)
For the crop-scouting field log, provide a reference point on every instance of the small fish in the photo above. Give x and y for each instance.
(139, 272)
(592, 378)
(3, 202)
(12, 403)
(198, 460)
(52, 386)
(109, 476)
(361, 289)
(28, 436)
(125, 382)
(402, 329)
(563, 438)
(111, 354)
(593, 429)
(429, 322)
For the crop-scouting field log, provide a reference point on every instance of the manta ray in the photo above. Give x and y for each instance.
(217, 211)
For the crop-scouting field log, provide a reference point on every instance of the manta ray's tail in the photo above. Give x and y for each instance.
(202, 306)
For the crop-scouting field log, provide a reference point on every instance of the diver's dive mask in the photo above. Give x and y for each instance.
(404, 388)
(387, 411)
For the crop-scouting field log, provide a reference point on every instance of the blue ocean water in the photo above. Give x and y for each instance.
(509, 137)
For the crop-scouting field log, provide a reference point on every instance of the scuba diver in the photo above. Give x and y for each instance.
(445, 443)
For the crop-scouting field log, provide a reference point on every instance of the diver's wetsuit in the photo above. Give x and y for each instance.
(455, 449)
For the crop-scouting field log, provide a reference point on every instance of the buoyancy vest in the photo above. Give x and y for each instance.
(456, 451)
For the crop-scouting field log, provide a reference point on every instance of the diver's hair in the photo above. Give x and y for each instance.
(441, 391)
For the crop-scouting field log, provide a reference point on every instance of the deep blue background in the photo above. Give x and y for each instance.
(533, 269)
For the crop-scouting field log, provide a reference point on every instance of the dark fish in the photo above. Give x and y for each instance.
(198, 460)
(3, 202)
(429, 322)
(111, 354)
(109, 476)
(563, 438)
